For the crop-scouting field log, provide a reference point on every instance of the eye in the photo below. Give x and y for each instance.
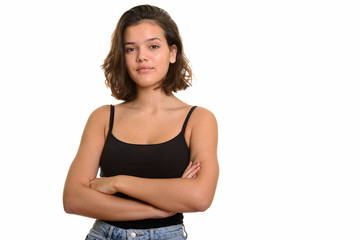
(130, 49)
(154, 46)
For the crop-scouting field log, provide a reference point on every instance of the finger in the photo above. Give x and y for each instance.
(191, 172)
(194, 171)
(189, 166)
(187, 174)
(186, 170)
(93, 184)
(193, 167)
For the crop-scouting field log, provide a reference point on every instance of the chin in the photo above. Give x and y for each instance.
(147, 83)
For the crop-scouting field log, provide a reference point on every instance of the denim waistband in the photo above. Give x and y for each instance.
(107, 231)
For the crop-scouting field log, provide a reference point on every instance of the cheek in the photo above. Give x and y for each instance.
(128, 60)
(163, 59)
(164, 65)
(130, 64)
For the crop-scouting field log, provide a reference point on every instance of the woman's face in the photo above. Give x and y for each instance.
(147, 54)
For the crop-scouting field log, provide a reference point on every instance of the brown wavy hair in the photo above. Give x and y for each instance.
(179, 75)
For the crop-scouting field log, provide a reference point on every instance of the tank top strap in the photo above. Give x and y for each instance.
(111, 122)
(187, 119)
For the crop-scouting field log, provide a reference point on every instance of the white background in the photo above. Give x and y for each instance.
(282, 78)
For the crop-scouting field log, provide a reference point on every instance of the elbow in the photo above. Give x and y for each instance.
(73, 199)
(68, 208)
(202, 206)
(202, 203)
(69, 203)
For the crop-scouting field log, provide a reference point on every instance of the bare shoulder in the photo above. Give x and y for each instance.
(203, 135)
(100, 115)
(202, 124)
(99, 118)
(202, 116)
(101, 112)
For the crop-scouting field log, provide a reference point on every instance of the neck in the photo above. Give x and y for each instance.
(153, 100)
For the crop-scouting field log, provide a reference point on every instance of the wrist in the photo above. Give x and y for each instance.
(117, 183)
(159, 213)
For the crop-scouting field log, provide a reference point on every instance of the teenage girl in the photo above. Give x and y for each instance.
(157, 154)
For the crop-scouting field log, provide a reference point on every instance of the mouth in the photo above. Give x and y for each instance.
(144, 69)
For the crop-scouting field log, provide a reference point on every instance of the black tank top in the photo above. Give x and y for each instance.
(163, 160)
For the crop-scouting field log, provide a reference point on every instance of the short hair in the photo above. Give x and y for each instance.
(179, 75)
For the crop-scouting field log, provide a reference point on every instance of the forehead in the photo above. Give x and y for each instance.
(146, 29)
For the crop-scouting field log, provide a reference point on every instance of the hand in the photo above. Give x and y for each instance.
(105, 185)
(191, 170)
(159, 213)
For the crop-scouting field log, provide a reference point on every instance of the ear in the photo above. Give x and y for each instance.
(173, 52)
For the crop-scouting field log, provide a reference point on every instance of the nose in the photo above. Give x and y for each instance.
(142, 55)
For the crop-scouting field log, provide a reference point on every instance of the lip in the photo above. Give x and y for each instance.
(144, 69)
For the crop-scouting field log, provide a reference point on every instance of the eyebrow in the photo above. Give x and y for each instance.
(148, 40)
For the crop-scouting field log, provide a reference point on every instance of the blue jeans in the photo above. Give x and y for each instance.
(104, 231)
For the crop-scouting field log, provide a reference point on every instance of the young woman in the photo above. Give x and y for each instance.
(157, 154)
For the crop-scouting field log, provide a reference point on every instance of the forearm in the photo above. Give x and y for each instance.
(178, 194)
(193, 192)
(90, 203)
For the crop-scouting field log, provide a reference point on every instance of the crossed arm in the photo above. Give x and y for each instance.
(89, 196)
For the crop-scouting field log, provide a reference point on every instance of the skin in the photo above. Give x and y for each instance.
(147, 58)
